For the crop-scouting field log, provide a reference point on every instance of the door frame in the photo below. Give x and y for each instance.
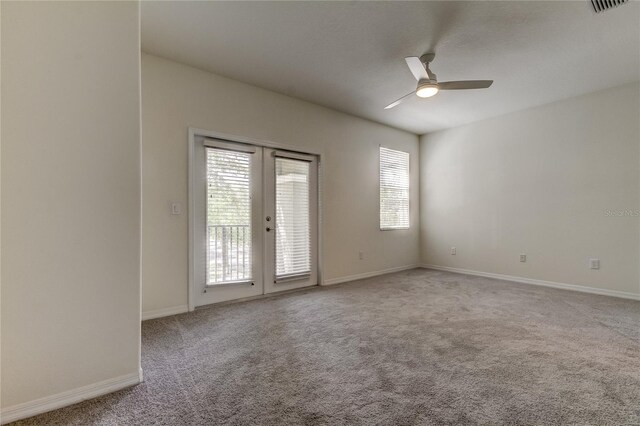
(193, 134)
(271, 284)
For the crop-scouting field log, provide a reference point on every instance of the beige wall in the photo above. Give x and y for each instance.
(539, 182)
(70, 196)
(176, 96)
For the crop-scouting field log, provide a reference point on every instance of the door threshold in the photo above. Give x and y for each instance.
(258, 297)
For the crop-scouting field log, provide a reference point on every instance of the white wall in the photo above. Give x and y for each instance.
(539, 182)
(176, 96)
(70, 199)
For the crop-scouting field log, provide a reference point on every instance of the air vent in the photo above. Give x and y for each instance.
(602, 5)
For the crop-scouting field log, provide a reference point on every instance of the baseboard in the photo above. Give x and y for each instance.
(355, 277)
(522, 280)
(165, 312)
(180, 309)
(42, 405)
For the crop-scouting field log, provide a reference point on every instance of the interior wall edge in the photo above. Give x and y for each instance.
(334, 110)
(532, 281)
(176, 97)
(559, 183)
(533, 107)
(165, 312)
(70, 199)
(181, 309)
(66, 398)
(355, 277)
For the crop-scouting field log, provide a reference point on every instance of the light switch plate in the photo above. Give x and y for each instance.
(176, 208)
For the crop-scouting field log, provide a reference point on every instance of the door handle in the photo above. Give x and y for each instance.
(268, 229)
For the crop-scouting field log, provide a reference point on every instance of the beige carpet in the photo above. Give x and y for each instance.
(416, 347)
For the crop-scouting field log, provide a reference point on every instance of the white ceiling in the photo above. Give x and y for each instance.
(349, 55)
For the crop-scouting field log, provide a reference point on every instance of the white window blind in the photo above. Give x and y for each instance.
(394, 189)
(293, 239)
(228, 216)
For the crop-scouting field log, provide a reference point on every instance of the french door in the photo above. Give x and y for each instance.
(256, 220)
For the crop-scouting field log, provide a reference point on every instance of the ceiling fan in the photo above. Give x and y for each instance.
(427, 82)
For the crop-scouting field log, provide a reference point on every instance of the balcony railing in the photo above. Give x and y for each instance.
(228, 253)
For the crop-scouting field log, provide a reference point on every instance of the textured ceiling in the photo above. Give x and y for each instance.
(349, 55)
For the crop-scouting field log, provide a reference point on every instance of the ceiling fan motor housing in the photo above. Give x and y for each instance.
(426, 83)
(427, 57)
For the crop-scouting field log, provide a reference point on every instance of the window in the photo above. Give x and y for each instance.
(293, 239)
(228, 216)
(394, 189)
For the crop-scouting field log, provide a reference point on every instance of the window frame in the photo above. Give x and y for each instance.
(380, 225)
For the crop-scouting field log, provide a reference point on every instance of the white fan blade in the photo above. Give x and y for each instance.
(399, 101)
(462, 85)
(416, 67)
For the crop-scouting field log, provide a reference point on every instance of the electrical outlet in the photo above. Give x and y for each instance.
(453, 251)
(523, 257)
(361, 255)
(594, 263)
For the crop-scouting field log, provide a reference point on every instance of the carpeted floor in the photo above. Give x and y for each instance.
(415, 347)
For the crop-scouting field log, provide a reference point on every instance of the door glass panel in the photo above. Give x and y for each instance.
(293, 250)
(228, 216)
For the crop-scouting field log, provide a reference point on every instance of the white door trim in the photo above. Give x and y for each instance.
(193, 134)
(271, 285)
(205, 295)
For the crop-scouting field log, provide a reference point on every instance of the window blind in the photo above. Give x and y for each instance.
(293, 239)
(394, 189)
(228, 216)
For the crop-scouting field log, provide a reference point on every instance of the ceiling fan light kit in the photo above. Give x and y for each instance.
(427, 90)
(428, 85)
